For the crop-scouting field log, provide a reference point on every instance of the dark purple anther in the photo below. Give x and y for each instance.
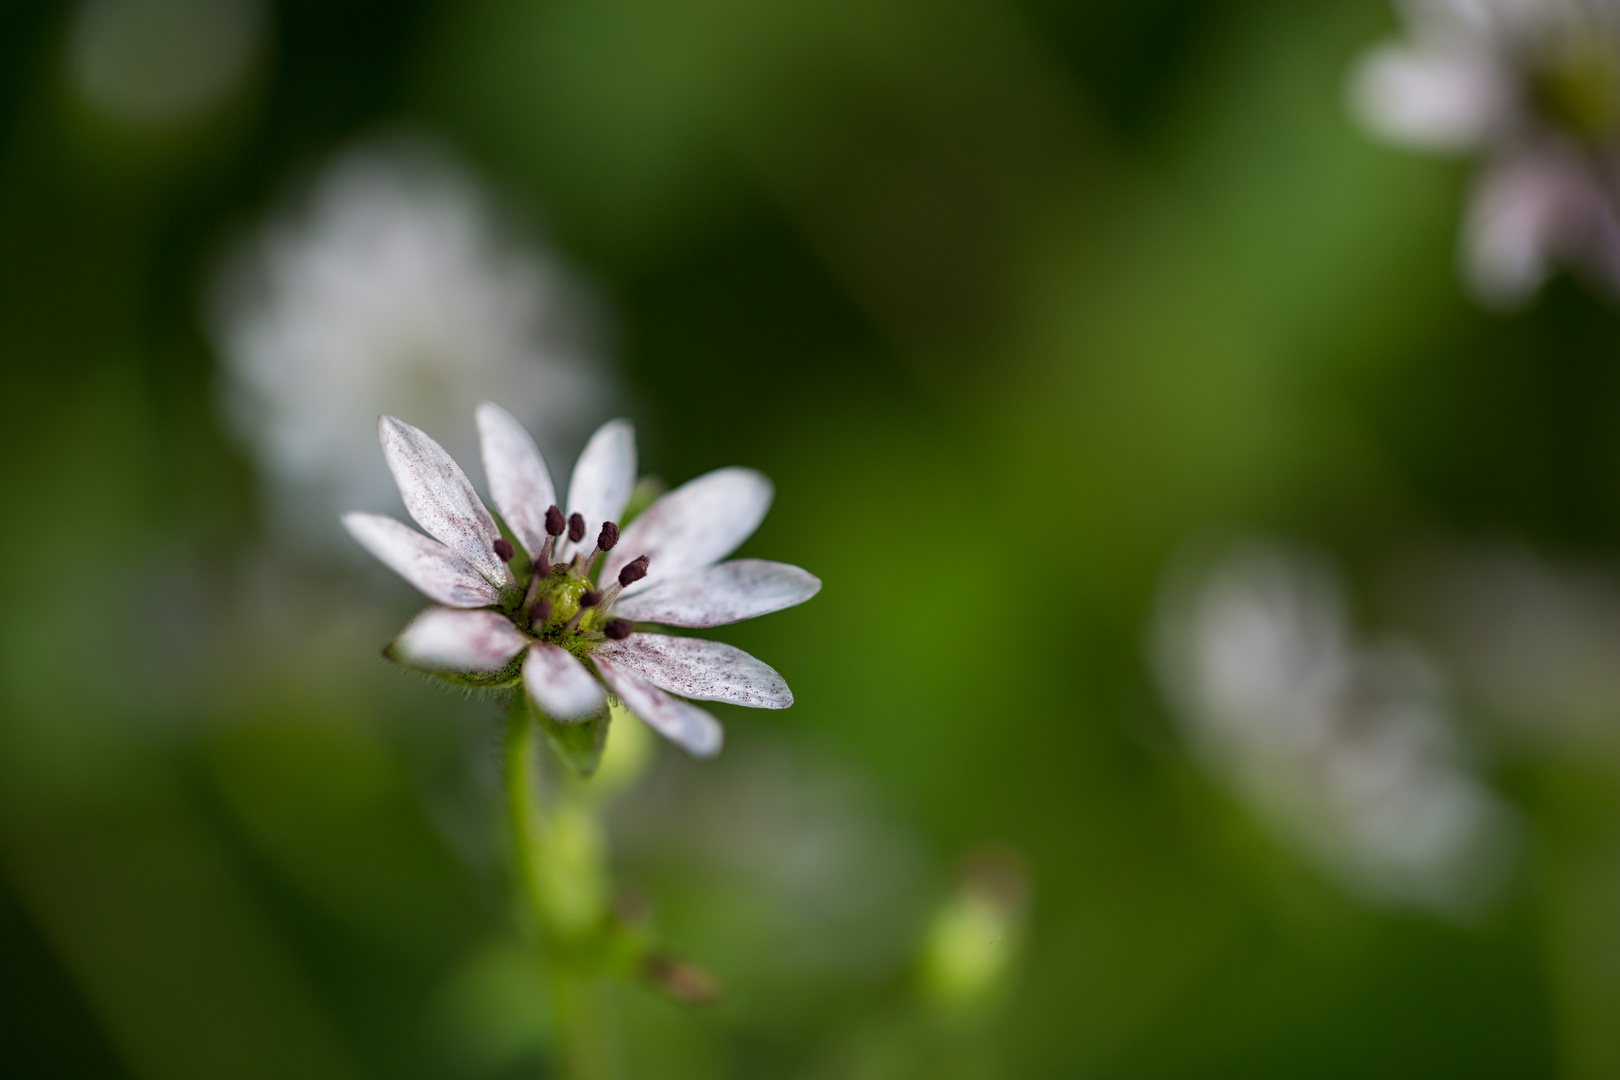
(633, 571)
(504, 550)
(541, 613)
(554, 521)
(590, 598)
(576, 527)
(618, 629)
(608, 536)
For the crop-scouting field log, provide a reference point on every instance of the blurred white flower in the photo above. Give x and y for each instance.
(1344, 750)
(156, 63)
(389, 288)
(1535, 642)
(1533, 87)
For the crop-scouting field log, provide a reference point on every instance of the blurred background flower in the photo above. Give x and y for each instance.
(1344, 748)
(162, 63)
(1533, 86)
(392, 287)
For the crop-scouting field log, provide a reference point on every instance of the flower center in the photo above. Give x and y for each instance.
(560, 592)
(1578, 87)
(561, 604)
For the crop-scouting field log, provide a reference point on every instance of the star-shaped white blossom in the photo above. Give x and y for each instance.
(569, 631)
(1533, 87)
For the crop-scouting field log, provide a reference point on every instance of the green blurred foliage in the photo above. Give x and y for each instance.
(1009, 299)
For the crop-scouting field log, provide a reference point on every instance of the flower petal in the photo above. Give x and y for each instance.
(603, 478)
(436, 571)
(1526, 211)
(445, 639)
(699, 523)
(559, 685)
(1428, 97)
(441, 499)
(724, 593)
(518, 480)
(695, 668)
(681, 722)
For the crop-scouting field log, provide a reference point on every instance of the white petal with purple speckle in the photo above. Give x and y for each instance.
(436, 571)
(727, 592)
(681, 722)
(699, 523)
(559, 685)
(518, 480)
(452, 640)
(696, 668)
(440, 498)
(603, 479)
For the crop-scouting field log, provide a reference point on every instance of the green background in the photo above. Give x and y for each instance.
(1010, 299)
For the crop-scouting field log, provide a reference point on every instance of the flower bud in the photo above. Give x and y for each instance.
(681, 980)
(977, 931)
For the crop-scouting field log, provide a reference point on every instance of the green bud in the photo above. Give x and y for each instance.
(976, 933)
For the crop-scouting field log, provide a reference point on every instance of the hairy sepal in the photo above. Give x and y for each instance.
(579, 744)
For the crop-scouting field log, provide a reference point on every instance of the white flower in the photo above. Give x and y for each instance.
(1533, 86)
(1344, 750)
(390, 289)
(569, 637)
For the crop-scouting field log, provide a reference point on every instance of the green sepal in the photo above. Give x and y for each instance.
(578, 745)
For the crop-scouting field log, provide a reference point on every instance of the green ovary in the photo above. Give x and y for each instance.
(562, 589)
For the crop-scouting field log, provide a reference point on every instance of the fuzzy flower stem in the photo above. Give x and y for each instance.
(585, 1043)
(522, 802)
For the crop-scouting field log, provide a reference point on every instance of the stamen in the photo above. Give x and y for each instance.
(605, 541)
(542, 567)
(576, 527)
(590, 598)
(618, 629)
(554, 521)
(541, 616)
(504, 550)
(633, 571)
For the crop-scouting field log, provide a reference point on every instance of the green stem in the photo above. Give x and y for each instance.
(523, 805)
(584, 1041)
